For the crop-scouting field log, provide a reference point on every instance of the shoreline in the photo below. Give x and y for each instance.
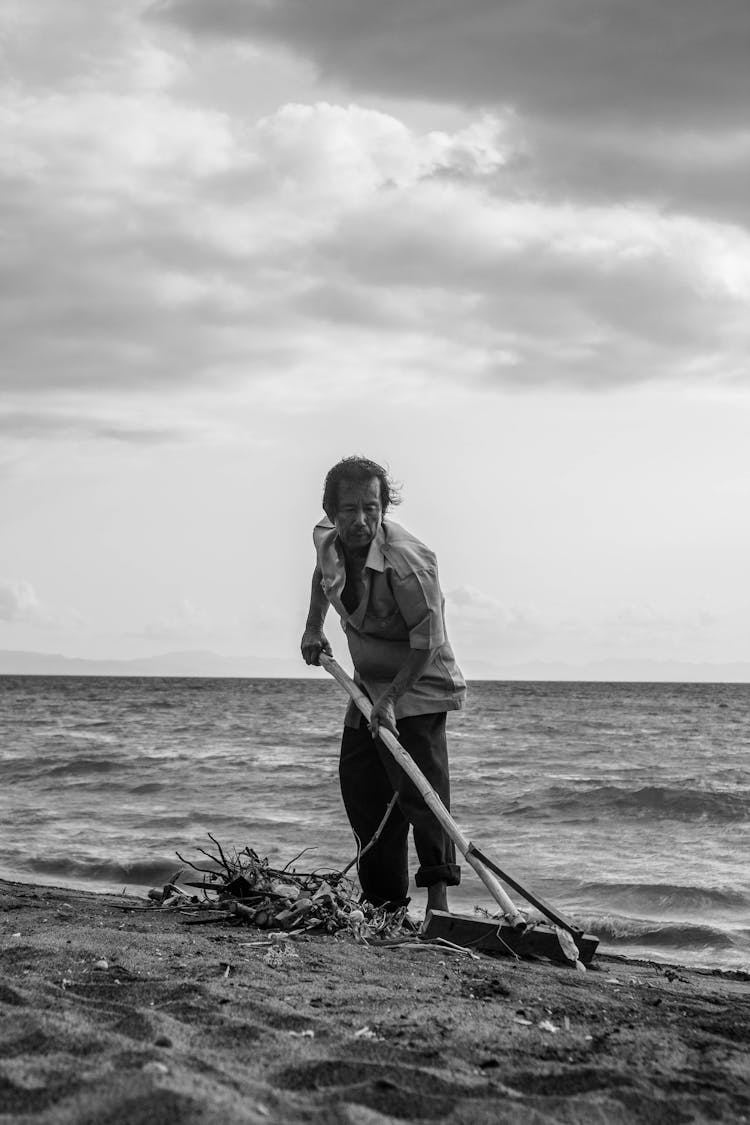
(665, 956)
(113, 1011)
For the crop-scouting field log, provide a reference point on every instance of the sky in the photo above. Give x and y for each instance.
(502, 247)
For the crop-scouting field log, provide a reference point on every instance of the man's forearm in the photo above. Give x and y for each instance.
(417, 662)
(314, 640)
(318, 604)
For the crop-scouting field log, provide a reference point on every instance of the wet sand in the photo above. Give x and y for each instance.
(115, 1013)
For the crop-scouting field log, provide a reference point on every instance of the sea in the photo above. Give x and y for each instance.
(626, 806)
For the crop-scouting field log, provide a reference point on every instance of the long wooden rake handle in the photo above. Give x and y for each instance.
(389, 740)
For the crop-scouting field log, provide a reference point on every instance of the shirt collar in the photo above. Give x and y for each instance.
(375, 557)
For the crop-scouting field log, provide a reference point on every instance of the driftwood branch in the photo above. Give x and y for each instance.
(221, 853)
(298, 856)
(201, 870)
(373, 839)
(244, 889)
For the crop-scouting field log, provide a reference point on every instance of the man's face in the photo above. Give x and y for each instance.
(358, 513)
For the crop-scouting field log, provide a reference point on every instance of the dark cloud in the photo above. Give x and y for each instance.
(673, 61)
(638, 100)
(189, 250)
(700, 174)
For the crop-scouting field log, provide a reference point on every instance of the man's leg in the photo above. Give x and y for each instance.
(437, 896)
(367, 790)
(423, 738)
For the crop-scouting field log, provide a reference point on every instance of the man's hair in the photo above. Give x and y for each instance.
(358, 470)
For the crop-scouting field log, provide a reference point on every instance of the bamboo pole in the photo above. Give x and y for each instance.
(389, 740)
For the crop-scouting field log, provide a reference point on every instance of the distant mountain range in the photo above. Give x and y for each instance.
(211, 664)
(191, 663)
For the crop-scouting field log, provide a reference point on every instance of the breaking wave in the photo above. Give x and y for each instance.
(651, 800)
(140, 873)
(665, 897)
(677, 936)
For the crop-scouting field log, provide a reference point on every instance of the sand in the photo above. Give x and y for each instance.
(113, 1012)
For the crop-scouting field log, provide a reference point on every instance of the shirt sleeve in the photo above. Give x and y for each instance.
(322, 537)
(420, 603)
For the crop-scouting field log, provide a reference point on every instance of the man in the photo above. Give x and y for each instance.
(384, 585)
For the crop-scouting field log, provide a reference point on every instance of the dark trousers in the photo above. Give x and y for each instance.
(369, 777)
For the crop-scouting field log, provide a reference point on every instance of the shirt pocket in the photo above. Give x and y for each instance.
(389, 625)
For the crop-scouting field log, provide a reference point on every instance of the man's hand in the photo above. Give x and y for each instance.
(383, 715)
(314, 641)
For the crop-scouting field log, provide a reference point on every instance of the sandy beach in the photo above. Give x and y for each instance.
(113, 1011)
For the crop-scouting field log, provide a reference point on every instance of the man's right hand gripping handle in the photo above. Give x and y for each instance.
(314, 641)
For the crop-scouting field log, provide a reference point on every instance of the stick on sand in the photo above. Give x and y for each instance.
(389, 740)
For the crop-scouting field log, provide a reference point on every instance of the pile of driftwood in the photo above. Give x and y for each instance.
(246, 889)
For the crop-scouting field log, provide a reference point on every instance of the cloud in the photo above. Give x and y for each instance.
(669, 168)
(18, 602)
(189, 249)
(47, 423)
(351, 152)
(529, 293)
(484, 628)
(19, 605)
(481, 621)
(633, 627)
(58, 50)
(619, 98)
(96, 185)
(185, 621)
(680, 60)
(161, 247)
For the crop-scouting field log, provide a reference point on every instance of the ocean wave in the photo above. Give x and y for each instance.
(614, 930)
(139, 872)
(79, 767)
(665, 896)
(671, 802)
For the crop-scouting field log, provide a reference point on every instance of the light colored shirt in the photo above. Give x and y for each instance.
(401, 608)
